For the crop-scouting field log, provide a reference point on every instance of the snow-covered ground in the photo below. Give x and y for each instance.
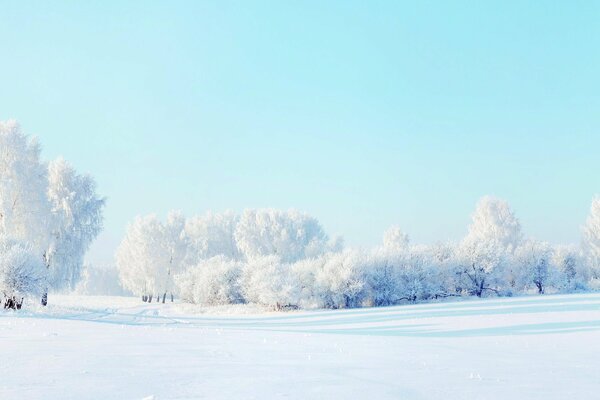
(543, 347)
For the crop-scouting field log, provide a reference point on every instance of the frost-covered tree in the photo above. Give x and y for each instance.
(50, 208)
(383, 280)
(101, 281)
(268, 281)
(211, 235)
(25, 211)
(341, 282)
(494, 220)
(289, 235)
(572, 271)
(175, 245)
(77, 222)
(533, 262)
(493, 236)
(22, 272)
(305, 272)
(395, 240)
(591, 238)
(215, 281)
(480, 266)
(151, 254)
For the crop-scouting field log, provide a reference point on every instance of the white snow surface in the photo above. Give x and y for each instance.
(94, 347)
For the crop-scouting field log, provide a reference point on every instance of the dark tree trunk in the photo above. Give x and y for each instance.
(164, 297)
(150, 299)
(45, 298)
(540, 287)
(171, 297)
(12, 303)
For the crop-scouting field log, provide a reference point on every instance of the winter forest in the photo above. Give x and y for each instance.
(280, 259)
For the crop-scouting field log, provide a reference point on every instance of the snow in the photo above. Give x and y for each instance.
(95, 347)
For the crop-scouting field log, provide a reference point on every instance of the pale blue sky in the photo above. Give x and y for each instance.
(365, 114)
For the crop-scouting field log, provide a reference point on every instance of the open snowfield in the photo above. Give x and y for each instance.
(543, 347)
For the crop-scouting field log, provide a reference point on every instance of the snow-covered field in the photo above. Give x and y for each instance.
(543, 347)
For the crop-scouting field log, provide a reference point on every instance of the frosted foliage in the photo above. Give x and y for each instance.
(211, 235)
(25, 212)
(533, 263)
(283, 259)
(572, 271)
(289, 235)
(493, 220)
(151, 254)
(591, 237)
(22, 272)
(267, 281)
(78, 223)
(395, 240)
(215, 281)
(341, 280)
(48, 207)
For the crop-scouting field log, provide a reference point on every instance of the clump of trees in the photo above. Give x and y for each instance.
(285, 260)
(49, 216)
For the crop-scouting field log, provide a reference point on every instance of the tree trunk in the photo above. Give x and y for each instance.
(45, 298)
(171, 297)
(150, 299)
(164, 297)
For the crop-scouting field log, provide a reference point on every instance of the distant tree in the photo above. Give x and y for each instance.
(395, 240)
(101, 281)
(493, 236)
(533, 261)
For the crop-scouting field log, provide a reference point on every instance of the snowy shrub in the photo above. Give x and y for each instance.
(22, 272)
(268, 281)
(383, 281)
(341, 282)
(214, 281)
(572, 273)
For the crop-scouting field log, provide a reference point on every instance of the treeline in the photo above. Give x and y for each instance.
(284, 260)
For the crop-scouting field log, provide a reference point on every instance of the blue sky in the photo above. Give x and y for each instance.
(364, 114)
